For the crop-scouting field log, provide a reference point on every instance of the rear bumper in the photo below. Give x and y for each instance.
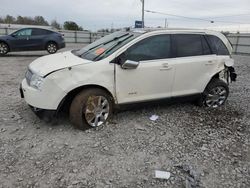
(61, 45)
(232, 74)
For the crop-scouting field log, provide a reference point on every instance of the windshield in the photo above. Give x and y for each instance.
(106, 46)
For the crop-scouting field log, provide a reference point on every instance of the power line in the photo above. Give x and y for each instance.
(174, 15)
(191, 18)
(227, 16)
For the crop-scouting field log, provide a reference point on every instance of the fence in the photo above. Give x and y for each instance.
(240, 42)
(84, 37)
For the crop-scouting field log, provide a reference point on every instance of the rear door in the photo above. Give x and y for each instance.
(195, 64)
(37, 38)
(154, 76)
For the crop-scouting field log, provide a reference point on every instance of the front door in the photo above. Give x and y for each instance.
(154, 76)
(21, 40)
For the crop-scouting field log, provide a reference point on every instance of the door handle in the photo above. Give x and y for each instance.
(165, 67)
(210, 63)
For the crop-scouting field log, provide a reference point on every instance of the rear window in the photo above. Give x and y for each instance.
(40, 32)
(217, 46)
(188, 45)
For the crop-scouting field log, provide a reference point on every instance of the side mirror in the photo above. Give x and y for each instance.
(130, 64)
(14, 35)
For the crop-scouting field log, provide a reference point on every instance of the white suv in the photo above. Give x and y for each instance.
(128, 67)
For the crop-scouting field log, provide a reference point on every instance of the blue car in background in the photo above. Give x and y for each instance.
(31, 39)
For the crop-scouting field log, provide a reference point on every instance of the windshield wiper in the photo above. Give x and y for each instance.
(105, 43)
(111, 48)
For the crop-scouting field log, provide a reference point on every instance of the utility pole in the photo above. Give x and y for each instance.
(166, 23)
(143, 5)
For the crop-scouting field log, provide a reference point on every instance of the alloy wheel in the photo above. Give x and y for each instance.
(97, 110)
(216, 97)
(3, 48)
(52, 48)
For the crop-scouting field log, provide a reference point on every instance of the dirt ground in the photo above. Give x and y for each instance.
(199, 147)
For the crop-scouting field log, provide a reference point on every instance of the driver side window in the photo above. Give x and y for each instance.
(152, 48)
(24, 32)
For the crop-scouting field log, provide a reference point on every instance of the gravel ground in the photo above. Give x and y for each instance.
(199, 147)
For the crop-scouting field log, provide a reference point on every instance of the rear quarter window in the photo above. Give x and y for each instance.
(217, 45)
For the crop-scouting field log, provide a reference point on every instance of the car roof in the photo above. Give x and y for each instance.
(176, 30)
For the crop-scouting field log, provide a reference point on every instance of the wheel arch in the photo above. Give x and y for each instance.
(50, 41)
(215, 76)
(67, 100)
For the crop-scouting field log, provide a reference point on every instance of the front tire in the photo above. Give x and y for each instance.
(4, 48)
(215, 94)
(51, 47)
(91, 108)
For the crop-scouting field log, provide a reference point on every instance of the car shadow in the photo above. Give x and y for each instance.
(24, 55)
(157, 103)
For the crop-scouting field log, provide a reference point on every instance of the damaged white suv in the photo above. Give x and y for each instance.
(131, 67)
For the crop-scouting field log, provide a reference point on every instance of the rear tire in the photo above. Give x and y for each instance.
(215, 94)
(91, 108)
(51, 47)
(4, 48)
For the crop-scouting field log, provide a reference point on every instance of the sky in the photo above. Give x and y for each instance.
(97, 14)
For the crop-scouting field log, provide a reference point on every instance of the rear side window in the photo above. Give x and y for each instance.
(155, 47)
(217, 46)
(188, 45)
(40, 32)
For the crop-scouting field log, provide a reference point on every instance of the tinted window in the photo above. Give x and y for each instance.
(205, 46)
(188, 45)
(217, 46)
(23, 32)
(40, 32)
(156, 47)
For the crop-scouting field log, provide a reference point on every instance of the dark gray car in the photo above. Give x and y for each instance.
(30, 39)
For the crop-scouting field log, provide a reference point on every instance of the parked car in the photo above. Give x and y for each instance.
(131, 67)
(30, 39)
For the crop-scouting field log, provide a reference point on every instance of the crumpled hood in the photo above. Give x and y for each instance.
(50, 63)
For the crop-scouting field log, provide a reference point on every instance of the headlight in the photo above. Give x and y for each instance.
(36, 81)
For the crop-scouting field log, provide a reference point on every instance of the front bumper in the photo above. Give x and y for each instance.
(41, 113)
(44, 114)
(48, 98)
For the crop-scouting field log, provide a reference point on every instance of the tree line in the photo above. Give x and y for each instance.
(40, 20)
